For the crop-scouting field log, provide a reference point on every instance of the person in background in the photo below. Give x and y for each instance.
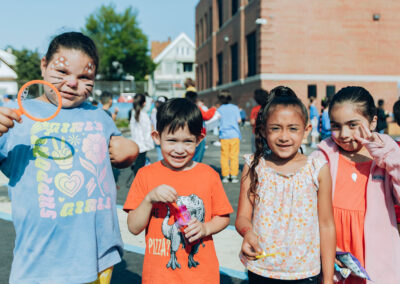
(141, 128)
(381, 125)
(153, 117)
(242, 116)
(314, 118)
(106, 101)
(190, 85)
(324, 121)
(207, 115)
(261, 98)
(396, 116)
(229, 135)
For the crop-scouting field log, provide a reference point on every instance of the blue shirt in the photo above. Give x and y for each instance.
(63, 195)
(229, 121)
(313, 112)
(325, 124)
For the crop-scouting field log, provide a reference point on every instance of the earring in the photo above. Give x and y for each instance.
(266, 150)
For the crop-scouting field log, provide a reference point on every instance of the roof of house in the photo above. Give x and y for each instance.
(171, 45)
(158, 46)
(8, 58)
(7, 66)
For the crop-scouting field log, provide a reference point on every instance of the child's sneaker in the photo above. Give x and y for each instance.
(225, 179)
(234, 179)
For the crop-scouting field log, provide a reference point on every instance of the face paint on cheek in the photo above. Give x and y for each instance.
(89, 68)
(60, 62)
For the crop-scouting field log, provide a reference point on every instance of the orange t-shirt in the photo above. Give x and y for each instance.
(349, 206)
(166, 259)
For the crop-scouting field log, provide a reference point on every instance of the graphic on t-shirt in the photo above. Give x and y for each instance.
(68, 165)
(196, 208)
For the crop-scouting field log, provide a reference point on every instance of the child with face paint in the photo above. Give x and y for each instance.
(365, 169)
(61, 185)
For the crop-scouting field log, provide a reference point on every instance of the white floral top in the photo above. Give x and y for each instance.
(285, 217)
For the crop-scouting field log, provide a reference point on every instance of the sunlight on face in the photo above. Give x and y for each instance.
(285, 131)
(72, 72)
(178, 148)
(346, 120)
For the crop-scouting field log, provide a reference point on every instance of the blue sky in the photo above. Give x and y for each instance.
(32, 23)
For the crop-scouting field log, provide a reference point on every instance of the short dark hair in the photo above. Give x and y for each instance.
(261, 96)
(380, 102)
(325, 102)
(177, 113)
(396, 112)
(74, 40)
(105, 97)
(224, 96)
(191, 96)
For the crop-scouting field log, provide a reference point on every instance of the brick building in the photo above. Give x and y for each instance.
(314, 47)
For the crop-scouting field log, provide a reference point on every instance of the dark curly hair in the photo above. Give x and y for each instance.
(279, 96)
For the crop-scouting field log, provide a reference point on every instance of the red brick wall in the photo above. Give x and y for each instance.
(330, 37)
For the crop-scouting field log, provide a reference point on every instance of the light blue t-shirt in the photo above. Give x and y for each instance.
(313, 112)
(228, 124)
(63, 195)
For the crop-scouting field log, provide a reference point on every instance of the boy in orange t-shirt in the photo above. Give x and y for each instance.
(174, 254)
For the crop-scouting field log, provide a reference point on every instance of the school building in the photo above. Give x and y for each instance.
(313, 47)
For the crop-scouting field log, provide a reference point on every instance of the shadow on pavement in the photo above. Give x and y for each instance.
(123, 274)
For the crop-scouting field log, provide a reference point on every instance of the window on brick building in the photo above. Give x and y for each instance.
(210, 74)
(330, 91)
(210, 18)
(197, 35)
(206, 32)
(311, 91)
(220, 68)
(251, 54)
(201, 31)
(200, 81)
(206, 75)
(234, 6)
(234, 62)
(220, 13)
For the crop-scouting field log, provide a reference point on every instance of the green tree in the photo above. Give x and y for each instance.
(119, 40)
(27, 65)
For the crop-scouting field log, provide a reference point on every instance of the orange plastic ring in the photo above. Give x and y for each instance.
(21, 109)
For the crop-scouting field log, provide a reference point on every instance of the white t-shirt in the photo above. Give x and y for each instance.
(141, 131)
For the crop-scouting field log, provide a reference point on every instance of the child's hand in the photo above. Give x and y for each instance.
(250, 246)
(162, 193)
(195, 230)
(7, 117)
(122, 151)
(367, 136)
(337, 261)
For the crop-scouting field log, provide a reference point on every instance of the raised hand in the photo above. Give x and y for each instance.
(7, 117)
(366, 135)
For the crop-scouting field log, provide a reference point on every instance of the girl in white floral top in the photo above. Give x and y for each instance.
(285, 205)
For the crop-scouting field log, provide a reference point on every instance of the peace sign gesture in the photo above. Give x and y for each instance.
(367, 136)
